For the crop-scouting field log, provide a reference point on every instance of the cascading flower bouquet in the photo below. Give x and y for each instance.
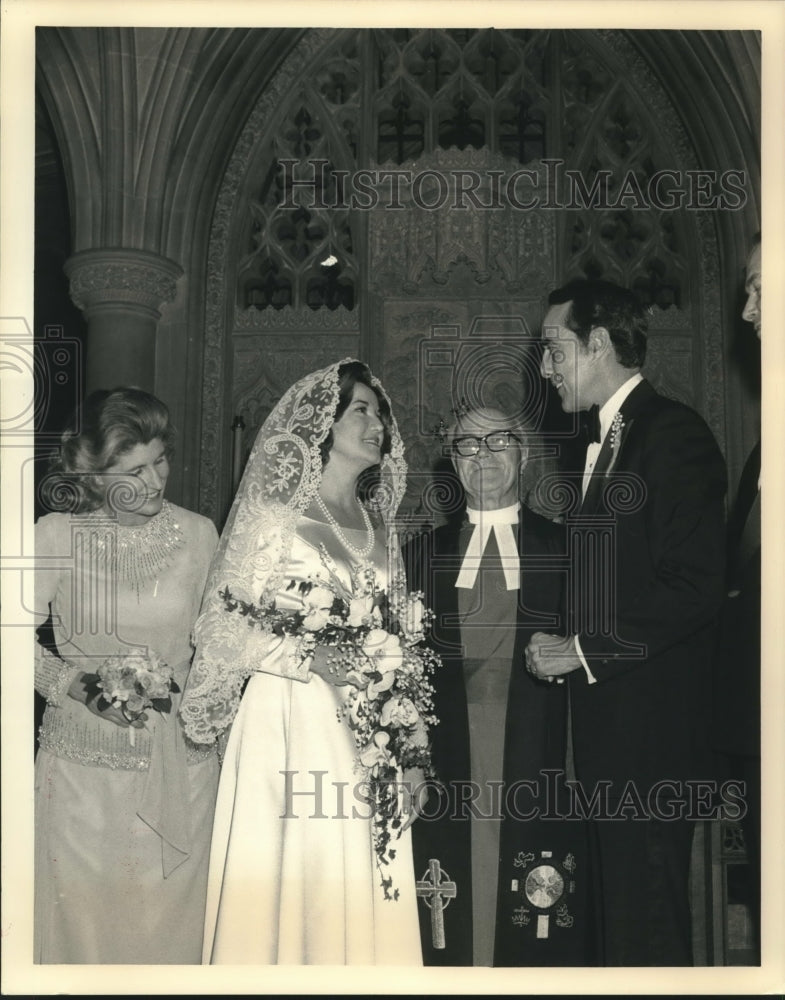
(376, 639)
(133, 682)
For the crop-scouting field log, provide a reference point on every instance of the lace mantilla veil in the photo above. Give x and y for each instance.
(281, 478)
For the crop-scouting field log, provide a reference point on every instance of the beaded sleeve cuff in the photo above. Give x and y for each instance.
(53, 676)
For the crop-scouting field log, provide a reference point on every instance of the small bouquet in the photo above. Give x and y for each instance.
(133, 682)
(378, 638)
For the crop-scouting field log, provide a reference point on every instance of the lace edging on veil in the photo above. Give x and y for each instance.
(282, 475)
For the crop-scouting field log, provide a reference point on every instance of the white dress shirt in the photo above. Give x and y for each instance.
(608, 411)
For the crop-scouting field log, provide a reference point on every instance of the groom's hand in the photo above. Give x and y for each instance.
(549, 657)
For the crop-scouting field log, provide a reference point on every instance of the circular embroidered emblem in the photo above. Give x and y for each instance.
(544, 886)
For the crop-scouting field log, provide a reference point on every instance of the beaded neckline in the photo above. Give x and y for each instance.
(138, 553)
(360, 553)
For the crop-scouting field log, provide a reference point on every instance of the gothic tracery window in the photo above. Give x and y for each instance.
(389, 95)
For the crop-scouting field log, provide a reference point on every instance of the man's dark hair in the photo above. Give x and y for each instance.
(601, 303)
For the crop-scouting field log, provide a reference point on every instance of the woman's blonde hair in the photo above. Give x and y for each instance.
(109, 424)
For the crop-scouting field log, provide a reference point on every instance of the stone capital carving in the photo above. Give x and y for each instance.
(135, 279)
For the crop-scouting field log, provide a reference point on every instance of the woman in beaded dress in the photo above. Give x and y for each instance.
(293, 877)
(123, 810)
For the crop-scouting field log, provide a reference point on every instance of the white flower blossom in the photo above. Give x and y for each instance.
(376, 752)
(413, 614)
(360, 609)
(317, 603)
(399, 712)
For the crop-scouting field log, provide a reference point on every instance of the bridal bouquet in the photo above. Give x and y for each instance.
(133, 682)
(377, 639)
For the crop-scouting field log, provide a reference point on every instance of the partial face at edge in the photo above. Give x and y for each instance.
(752, 309)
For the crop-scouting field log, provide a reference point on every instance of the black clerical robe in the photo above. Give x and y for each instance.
(540, 869)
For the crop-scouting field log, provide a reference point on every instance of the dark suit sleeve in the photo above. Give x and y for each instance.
(669, 552)
(544, 561)
(412, 556)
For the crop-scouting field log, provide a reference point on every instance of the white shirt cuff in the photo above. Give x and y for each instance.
(589, 675)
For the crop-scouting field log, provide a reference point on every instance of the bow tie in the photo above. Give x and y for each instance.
(591, 424)
(500, 522)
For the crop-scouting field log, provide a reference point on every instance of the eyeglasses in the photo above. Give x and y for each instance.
(494, 441)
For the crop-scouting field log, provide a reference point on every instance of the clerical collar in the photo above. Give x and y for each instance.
(611, 407)
(500, 522)
(501, 515)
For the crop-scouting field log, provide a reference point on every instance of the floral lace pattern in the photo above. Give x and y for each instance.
(281, 478)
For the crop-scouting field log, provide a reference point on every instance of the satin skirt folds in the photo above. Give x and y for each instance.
(100, 894)
(293, 878)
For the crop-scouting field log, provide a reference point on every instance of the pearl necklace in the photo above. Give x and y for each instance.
(337, 531)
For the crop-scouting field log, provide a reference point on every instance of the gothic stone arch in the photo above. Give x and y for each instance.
(427, 101)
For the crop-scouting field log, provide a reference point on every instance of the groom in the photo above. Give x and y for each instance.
(639, 668)
(496, 885)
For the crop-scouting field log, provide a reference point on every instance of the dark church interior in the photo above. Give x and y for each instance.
(220, 210)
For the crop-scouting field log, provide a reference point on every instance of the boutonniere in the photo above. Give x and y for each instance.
(617, 426)
(617, 429)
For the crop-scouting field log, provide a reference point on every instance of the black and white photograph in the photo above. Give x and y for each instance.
(391, 586)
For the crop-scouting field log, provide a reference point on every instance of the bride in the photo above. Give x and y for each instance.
(293, 874)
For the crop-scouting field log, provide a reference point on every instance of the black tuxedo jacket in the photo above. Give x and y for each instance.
(535, 738)
(646, 718)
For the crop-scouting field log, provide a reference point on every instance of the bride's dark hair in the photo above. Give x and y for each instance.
(348, 376)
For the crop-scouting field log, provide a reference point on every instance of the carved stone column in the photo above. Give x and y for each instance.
(120, 291)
